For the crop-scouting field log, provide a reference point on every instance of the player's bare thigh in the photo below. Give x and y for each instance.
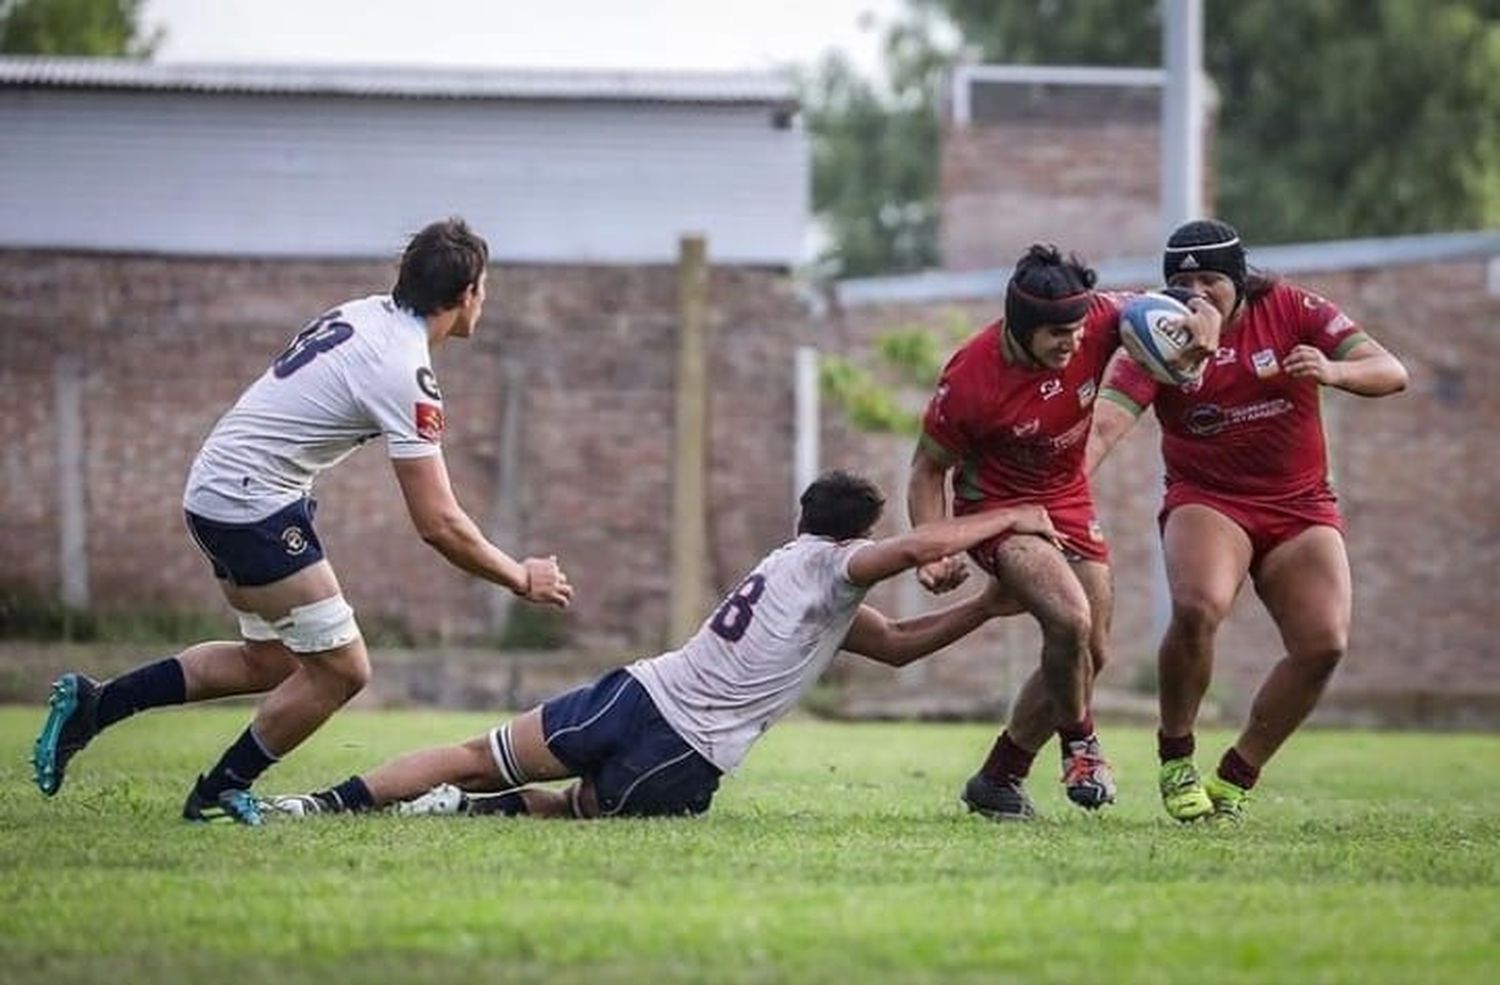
(313, 583)
(1039, 578)
(1306, 587)
(1207, 557)
(537, 764)
(529, 743)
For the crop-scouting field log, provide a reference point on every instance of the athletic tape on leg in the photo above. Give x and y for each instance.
(325, 625)
(254, 628)
(503, 750)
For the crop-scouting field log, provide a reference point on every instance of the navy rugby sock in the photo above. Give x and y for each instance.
(152, 685)
(351, 795)
(238, 768)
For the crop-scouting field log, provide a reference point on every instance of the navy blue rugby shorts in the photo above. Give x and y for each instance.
(611, 734)
(259, 553)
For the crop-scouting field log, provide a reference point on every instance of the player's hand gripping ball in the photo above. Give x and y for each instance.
(1152, 332)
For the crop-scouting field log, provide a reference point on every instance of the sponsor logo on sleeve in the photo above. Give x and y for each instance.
(1086, 393)
(427, 383)
(1265, 363)
(429, 422)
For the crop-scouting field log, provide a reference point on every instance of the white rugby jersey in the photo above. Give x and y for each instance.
(768, 641)
(358, 372)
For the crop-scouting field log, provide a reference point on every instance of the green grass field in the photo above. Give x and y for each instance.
(838, 854)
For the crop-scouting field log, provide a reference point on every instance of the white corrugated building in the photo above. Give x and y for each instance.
(554, 166)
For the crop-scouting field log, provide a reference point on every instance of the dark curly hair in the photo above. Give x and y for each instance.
(841, 506)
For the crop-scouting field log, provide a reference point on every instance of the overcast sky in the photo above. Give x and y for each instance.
(718, 34)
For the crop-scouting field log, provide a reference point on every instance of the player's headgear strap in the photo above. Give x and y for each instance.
(1026, 312)
(1206, 244)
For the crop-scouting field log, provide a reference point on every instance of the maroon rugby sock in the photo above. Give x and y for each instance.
(1007, 762)
(1077, 732)
(1175, 746)
(1234, 769)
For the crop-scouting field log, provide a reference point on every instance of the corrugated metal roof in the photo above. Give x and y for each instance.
(1292, 259)
(402, 82)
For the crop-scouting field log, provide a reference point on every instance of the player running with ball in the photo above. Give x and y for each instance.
(1247, 493)
(1009, 422)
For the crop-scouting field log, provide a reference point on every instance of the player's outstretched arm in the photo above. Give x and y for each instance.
(898, 642)
(444, 525)
(931, 541)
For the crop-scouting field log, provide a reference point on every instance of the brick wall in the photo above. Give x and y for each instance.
(1071, 164)
(1101, 191)
(167, 344)
(1417, 478)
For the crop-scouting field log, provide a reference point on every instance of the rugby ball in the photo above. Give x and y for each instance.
(1149, 333)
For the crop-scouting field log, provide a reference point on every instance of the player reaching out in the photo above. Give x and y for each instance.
(357, 372)
(653, 738)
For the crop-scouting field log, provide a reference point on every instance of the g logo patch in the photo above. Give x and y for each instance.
(294, 540)
(427, 383)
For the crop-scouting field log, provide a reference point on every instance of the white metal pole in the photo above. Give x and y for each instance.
(1182, 113)
(1181, 187)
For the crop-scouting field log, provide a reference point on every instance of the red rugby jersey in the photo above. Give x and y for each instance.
(1016, 434)
(1245, 427)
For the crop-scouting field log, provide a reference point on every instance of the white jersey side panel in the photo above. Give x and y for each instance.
(766, 644)
(360, 371)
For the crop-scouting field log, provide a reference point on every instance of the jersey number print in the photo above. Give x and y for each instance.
(320, 336)
(733, 617)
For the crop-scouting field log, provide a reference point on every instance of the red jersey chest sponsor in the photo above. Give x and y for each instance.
(1243, 385)
(1245, 425)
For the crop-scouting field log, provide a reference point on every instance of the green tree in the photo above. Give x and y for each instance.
(1074, 32)
(875, 155)
(1352, 118)
(75, 27)
(1336, 118)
